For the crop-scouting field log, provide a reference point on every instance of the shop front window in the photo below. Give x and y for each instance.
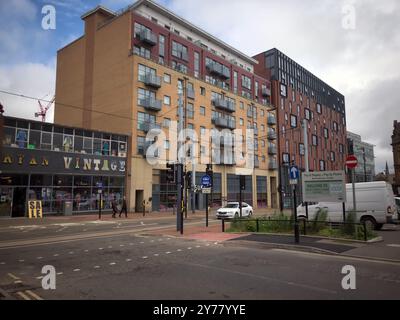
(22, 138)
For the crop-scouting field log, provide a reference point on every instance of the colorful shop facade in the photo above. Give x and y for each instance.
(63, 167)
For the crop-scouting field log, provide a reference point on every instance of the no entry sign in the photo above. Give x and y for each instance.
(351, 162)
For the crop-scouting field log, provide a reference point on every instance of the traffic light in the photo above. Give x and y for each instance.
(171, 173)
(242, 182)
(209, 172)
(188, 179)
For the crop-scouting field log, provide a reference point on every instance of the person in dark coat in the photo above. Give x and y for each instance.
(114, 207)
(124, 208)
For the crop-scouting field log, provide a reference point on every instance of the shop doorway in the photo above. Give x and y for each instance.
(19, 202)
(139, 201)
(6, 195)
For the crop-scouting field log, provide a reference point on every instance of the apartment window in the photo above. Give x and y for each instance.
(141, 51)
(262, 113)
(263, 158)
(139, 28)
(256, 89)
(190, 111)
(319, 109)
(341, 148)
(140, 141)
(241, 121)
(246, 82)
(285, 158)
(167, 78)
(179, 67)
(202, 131)
(293, 96)
(241, 105)
(179, 50)
(166, 122)
(283, 91)
(293, 121)
(301, 149)
(144, 95)
(202, 111)
(262, 143)
(307, 113)
(314, 140)
(161, 45)
(235, 82)
(144, 70)
(190, 126)
(262, 128)
(166, 144)
(202, 91)
(196, 64)
(145, 118)
(333, 156)
(167, 100)
(335, 126)
(321, 165)
(326, 133)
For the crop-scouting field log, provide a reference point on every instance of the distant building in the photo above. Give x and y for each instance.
(396, 155)
(365, 171)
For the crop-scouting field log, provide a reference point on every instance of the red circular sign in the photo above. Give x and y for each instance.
(351, 162)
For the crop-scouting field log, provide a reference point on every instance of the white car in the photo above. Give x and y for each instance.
(232, 210)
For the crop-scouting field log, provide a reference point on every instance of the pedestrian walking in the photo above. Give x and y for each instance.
(124, 208)
(114, 207)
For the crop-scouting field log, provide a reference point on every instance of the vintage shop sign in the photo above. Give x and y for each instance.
(40, 161)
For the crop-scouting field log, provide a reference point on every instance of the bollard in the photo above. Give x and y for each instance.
(223, 225)
(258, 228)
(305, 226)
(365, 231)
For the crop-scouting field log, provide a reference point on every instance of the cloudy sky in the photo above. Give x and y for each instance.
(353, 45)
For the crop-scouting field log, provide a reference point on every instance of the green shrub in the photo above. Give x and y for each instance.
(319, 221)
(349, 228)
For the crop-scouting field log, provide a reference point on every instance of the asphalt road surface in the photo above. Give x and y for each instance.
(136, 265)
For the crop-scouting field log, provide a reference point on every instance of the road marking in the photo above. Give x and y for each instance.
(101, 248)
(2, 263)
(40, 277)
(39, 258)
(86, 250)
(189, 248)
(112, 263)
(160, 239)
(34, 295)
(60, 273)
(394, 245)
(55, 255)
(145, 257)
(141, 242)
(76, 270)
(13, 276)
(128, 260)
(168, 252)
(71, 252)
(156, 254)
(84, 229)
(151, 240)
(109, 247)
(197, 246)
(17, 281)
(121, 245)
(179, 250)
(207, 245)
(21, 260)
(131, 244)
(23, 295)
(97, 267)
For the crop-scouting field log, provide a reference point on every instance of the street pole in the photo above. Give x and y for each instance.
(365, 166)
(305, 134)
(179, 176)
(296, 223)
(240, 194)
(193, 178)
(354, 189)
(100, 207)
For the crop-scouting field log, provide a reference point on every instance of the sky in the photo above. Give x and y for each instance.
(353, 45)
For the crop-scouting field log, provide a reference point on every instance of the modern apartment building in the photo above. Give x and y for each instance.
(127, 73)
(365, 171)
(297, 95)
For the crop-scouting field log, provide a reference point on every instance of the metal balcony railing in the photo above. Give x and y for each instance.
(151, 104)
(152, 80)
(148, 126)
(265, 92)
(271, 120)
(218, 70)
(224, 104)
(272, 150)
(147, 37)
(271, 135)
(272, 165)
(224, 123)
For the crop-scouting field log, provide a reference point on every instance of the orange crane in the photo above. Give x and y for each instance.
(43, 110)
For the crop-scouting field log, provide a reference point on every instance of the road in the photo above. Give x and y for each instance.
(136, 264)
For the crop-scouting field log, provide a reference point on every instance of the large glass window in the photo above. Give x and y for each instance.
(34, 139)
(143, 71)
(22, 138)
(161, 45)
(196, 64)
(179, 50)
(144, 95)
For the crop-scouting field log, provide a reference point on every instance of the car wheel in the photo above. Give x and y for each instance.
(378, 226)
(250, 213)
(369, 221)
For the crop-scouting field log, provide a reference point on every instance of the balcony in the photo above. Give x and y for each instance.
(152, 81)
(148, 126)
(218, 70)
(271, 135)
(147, 37)
(272, 150)
(272, 165)
(190, 93)
(224, 123)
(266, 92)
(271, 120)
(224, 104)
(151, 104)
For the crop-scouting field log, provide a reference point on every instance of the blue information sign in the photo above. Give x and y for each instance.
(206, 181)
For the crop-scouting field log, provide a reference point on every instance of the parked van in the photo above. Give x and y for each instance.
(375, 204)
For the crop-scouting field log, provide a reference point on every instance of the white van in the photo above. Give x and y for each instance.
(375, 204)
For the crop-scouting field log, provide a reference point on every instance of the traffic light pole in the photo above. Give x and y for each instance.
(180, 178)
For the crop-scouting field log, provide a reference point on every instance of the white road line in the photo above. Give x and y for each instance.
(23, 295)
(2, 263)
(60, 273)
(40, 277)
(207, 245)
(13, 276)
(156, 254)
(17, 281)
(168, 252)
(189, 248)
(21, 260)
(112, 263)
(197, 246)
(101, 248)
(96, 267)
(76, 270)
(215, 242)
(121, 245)
(86, 250)
(141, 242)
(128, 260)
(151, 240)
(39, 258)
(179, 250)
(394, 245)
(55, 255)
(71, 252)
(160, 239)
(109, 247)
(34, 295)
(145, 257)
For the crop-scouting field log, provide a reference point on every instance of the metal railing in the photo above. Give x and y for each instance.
(344, 230)
(151, 104)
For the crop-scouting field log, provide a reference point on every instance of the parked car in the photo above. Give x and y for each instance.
(375, 204)
(397, 201)
(232, 210)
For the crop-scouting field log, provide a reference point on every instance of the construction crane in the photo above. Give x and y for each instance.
(43, 110)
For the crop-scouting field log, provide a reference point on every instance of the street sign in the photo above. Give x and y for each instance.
(294, 173)
(206, 181)
(351, 162)
(99, 184)
(293, 181)
(206, 190)
(327, 186)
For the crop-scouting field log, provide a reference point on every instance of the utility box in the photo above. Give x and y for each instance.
(67, 208)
